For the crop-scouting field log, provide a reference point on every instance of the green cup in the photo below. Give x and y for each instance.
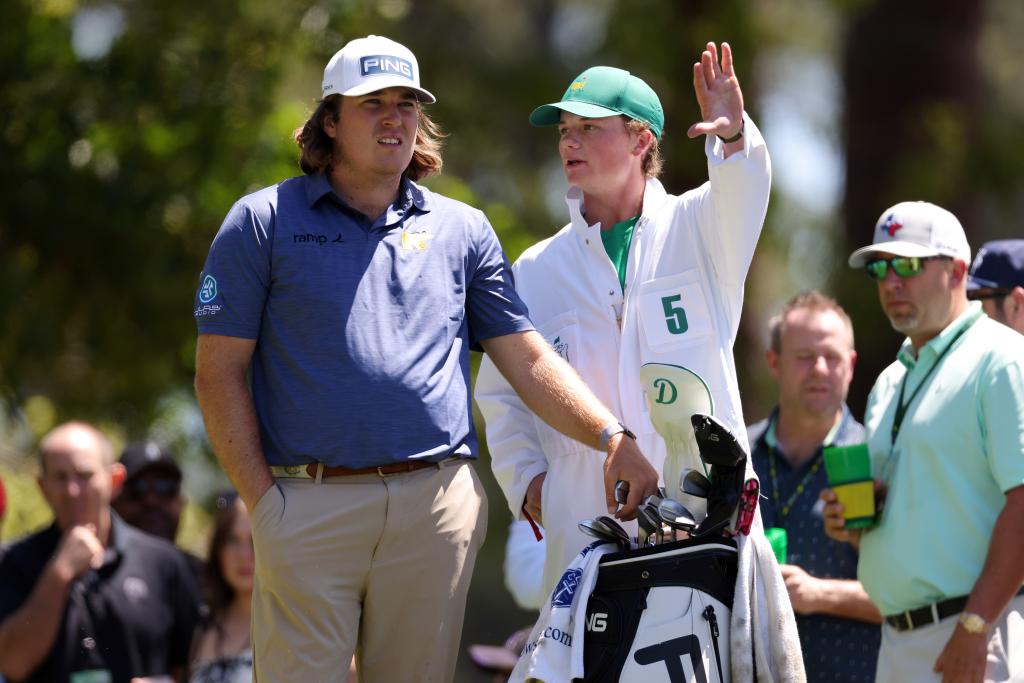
(777, 538)
(849, 475)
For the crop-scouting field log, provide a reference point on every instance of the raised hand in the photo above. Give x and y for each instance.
(718, 94)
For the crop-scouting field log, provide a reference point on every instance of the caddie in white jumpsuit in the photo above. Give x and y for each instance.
(637, 276)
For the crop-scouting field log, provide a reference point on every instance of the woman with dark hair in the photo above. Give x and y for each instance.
(222, 652)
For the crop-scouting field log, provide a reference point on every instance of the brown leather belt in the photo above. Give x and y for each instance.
(310, 471)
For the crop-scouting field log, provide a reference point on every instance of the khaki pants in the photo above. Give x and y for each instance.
(376, 566)
(909, 656)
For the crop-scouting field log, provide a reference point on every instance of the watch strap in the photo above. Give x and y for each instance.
(611, 430)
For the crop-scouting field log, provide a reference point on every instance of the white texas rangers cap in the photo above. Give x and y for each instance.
(916, 229)
(373, 63)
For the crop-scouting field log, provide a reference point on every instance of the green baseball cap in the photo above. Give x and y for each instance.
(603, 91)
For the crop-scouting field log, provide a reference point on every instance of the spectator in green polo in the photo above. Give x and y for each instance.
(945, 427)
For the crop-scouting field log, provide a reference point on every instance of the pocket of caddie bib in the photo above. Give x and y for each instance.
(673, 312)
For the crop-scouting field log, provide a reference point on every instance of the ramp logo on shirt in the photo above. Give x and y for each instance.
(416, 241)
(566, 588)
(667, 392)
(208, 292)
(891, 225)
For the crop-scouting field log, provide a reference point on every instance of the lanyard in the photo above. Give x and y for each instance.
(901, 407)
(784, 509)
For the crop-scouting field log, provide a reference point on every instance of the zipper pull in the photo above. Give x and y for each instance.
(709, 615)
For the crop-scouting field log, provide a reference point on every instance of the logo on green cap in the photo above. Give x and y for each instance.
(603, 91)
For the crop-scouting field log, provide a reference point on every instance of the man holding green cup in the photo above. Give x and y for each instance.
(945, 426)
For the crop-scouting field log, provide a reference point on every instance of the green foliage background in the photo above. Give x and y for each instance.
(118, 168)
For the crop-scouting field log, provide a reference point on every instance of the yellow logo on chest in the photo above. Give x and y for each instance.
(416, 241)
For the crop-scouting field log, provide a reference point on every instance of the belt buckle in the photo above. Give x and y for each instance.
(295, 470)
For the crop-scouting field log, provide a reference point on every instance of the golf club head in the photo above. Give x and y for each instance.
(694, 483)
(693, 490)
(676, 515)
(597, 530)
(614, 527)
(673, 394)
(717, 445)
(720, 449)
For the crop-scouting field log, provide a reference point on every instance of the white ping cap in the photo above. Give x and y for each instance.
(373, 63)
(916, 229)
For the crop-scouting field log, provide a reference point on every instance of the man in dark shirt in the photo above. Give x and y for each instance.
(151, 498)
(90, 598)
(811, 356)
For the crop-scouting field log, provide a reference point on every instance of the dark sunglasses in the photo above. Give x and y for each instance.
(165, 488)
(904, 266)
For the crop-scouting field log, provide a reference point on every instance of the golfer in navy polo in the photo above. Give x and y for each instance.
(336, 311)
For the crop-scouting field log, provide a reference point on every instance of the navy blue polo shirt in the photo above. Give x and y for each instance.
(834, 648)
(134, 616)
(363, 329)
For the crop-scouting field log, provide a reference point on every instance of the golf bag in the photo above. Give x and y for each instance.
(661, 614)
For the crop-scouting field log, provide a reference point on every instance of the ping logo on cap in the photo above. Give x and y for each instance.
(374, 65)
(578, 85)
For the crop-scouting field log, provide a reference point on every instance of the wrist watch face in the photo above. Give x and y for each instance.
(972, 623)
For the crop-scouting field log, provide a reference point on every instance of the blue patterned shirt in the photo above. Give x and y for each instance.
(834, 648)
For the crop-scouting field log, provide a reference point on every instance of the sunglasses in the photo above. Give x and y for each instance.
(903, 266)
(164, 488)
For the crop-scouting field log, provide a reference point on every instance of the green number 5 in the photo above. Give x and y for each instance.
(675, 316)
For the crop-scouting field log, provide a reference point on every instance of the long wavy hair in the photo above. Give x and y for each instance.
(317, 148)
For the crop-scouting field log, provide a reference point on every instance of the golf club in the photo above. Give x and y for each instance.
(675, 515)
(694, 487)
(615, 528)
(599, 531)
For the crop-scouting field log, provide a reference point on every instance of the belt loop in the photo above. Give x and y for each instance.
(935, 612)
(319, 472)
(910, 622)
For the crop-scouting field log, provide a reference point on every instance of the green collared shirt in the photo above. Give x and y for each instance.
(960, 448)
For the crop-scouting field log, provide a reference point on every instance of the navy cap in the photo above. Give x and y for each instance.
(998, 265)
(138, 457)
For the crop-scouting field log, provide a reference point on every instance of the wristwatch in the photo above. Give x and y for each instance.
(611, 430)
(974, 623)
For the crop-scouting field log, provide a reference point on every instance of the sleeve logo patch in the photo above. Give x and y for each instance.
(208, 292)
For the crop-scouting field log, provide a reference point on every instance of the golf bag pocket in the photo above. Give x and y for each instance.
(661, 614)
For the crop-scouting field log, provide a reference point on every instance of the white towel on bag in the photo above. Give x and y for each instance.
(763, 629)
(555, 645)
